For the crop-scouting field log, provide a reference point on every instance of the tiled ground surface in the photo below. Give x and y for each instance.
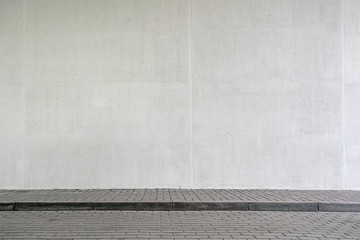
(172, 195)
(178, 225)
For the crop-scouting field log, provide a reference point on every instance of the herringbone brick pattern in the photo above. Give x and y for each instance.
(179, 195)
(178, 225)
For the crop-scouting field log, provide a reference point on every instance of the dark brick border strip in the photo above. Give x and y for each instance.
(7, 206)
(210, 206)
(284, 206)
(182, 206)
(133, 206)
(339, 207)
(52, 206)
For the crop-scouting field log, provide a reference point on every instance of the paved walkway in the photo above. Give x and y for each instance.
(178, 225)
(177, 199)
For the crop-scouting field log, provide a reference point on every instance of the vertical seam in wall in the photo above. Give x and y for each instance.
(343, 88)
(24, 94)
(191, 97)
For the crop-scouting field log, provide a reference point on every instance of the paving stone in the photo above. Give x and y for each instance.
(180, 195)
(180, 199)
(178, 225)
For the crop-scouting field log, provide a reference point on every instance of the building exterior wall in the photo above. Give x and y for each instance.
(179, 94)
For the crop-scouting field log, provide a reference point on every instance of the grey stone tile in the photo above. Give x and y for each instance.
(178, 225)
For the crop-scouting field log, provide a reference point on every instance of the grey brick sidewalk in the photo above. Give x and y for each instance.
(178, 225)
(177, 199)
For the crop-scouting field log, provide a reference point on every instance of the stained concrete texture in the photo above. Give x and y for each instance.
(179, 93)
(352, 92)
(11, 95)
(267, 94)
(107, 94)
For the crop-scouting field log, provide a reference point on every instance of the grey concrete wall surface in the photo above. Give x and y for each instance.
(180, 94)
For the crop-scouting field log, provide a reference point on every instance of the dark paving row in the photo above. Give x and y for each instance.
(179, 195)
(178, 225)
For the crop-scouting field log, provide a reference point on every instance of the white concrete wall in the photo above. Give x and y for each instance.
(352, 93)
(180, 93)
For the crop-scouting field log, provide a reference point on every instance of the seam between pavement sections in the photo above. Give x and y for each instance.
(182, 206)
